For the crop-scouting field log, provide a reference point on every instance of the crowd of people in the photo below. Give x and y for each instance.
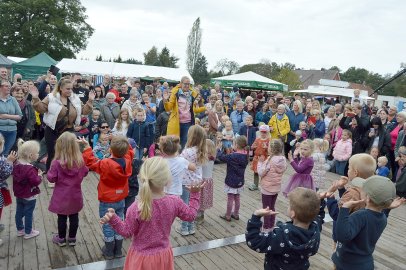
(160, 142)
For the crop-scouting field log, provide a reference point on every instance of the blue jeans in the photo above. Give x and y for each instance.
(25, 209)
(139, 152)
(184, 128)
(340, 167)
(186, 226)
(108, 232)
(9, 138)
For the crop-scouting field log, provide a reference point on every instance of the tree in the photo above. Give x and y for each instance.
(132, 61)
(266, 68)
(118, 60)
(99, 58)
(290, 78)
(151, 57)
(355, 75)
(200, 73)
(57, 27)
(193, 46)
(166, 60)
(227, 67)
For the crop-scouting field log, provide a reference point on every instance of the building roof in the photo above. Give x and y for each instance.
(312, 77)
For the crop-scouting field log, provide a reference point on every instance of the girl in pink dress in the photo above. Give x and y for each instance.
(149, 220)
(303, 165)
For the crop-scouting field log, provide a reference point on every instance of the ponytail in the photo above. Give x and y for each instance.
(145, 204)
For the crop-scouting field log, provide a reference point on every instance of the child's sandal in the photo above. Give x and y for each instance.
(225, 218)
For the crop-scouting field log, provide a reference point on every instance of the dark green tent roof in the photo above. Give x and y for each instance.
(40, 60)
(5, 62)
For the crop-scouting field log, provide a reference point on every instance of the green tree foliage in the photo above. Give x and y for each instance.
(57, 27)
(167, 60)
(194, 41)
(151, 58)
(289, 77)
(132, 61)
(265, 68)
(99, 58)
(200, 73)
(118, 59)
(226, 67)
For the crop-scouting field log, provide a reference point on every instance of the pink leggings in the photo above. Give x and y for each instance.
(230, 199)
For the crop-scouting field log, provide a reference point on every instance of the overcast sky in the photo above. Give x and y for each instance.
(311, 34)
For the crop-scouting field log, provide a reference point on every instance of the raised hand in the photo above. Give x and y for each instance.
(12, 156)
(265, 212)
(82, 140)
(342, 182)
(397, 202)
(110, 213)
(34, 91)
(92, 95)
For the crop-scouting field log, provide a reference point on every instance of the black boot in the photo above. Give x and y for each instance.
(108, 250)
(118, 252)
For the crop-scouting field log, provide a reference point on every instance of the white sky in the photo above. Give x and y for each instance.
(311, 34)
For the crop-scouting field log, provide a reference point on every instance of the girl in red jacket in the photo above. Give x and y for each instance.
(271, 171)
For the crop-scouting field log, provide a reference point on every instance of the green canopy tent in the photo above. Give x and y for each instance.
(250, 80)
(5, 62)
(34, 67)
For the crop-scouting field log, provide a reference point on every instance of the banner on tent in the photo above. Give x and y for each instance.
(251, 84)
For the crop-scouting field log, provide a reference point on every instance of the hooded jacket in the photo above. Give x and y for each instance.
(25, 181)
(67, 197)
(271, 172)
(287, 246)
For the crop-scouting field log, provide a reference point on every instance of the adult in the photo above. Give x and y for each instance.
(106, 83)
(250, 109)
(237, 117)
(124, 92)
(357, 98)
(279, 124)
(78, 87)
(132, 103)
(393, 110)
(383, 115)
(10, 113)
(358, 124)
(394, 133)
(378, 137)
(25, 126)
(317, 128)
(99, 100)
(214, 118)
(400, 141)
(49, 80)
(339, 108)
(330, 116)
(3, 73)
(264, 115)
(295, 116)
(157, 99)
(110, 111)
(183, 106)
(62, 110)
(149, 107)
(228, 107)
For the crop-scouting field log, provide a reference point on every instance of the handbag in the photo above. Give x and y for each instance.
(6, 196)
(61, 125)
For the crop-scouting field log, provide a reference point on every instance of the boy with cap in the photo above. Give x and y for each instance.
(358, 233)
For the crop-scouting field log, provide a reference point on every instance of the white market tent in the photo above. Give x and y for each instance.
(332, 91)
(250, 80)
(121, 69)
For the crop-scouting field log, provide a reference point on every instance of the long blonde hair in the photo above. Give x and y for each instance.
(154, 172)
(321, 144)
(26, 149)
(62, 82)
(67, 151)
(211, 149)
(196, 136)
(120, 120)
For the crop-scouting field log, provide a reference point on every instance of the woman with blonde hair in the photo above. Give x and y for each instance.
(62, 110)
(214, 117)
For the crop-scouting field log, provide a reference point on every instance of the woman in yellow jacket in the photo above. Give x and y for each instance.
(183, 105)
(279, 124)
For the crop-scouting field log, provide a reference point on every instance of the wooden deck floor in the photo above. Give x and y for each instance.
(40, 253)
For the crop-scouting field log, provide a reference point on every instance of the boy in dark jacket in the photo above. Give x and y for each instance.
(139, 131)
(249, 130)
(290, 244)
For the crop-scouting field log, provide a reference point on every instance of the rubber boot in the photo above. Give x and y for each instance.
(256, 182)
(118, 252)
(108, 250)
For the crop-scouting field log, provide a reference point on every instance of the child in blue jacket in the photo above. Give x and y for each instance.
(139, 131)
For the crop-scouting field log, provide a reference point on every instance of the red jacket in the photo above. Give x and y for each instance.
(113, 184)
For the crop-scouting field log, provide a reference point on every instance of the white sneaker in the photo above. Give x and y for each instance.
(182, 232)
(20, 233)
(33, 233)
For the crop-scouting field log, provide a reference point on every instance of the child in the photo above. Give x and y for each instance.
(260, 147)
(195, 152)
(382, 169)
(94, 125)
(150, 247)
(206, 127)
(223, 121)
(67, 172)
(139, 131)
(112, 188)
(133, 185)
(103, 129)
(295, 143)
(342, 151)
(320, 166)
(26, 179)
(6, 169)
(249, 131)
(206, 195)
(228, 137)
(122, 123)
(154, 149)
(102, 148)
(374, 152)
(271, 171)
(170, 146)
(290, 244)
(303, 166)
(358, 233)
(234, 183)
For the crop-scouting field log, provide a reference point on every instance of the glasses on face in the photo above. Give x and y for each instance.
(186, 83)
(104, 127)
